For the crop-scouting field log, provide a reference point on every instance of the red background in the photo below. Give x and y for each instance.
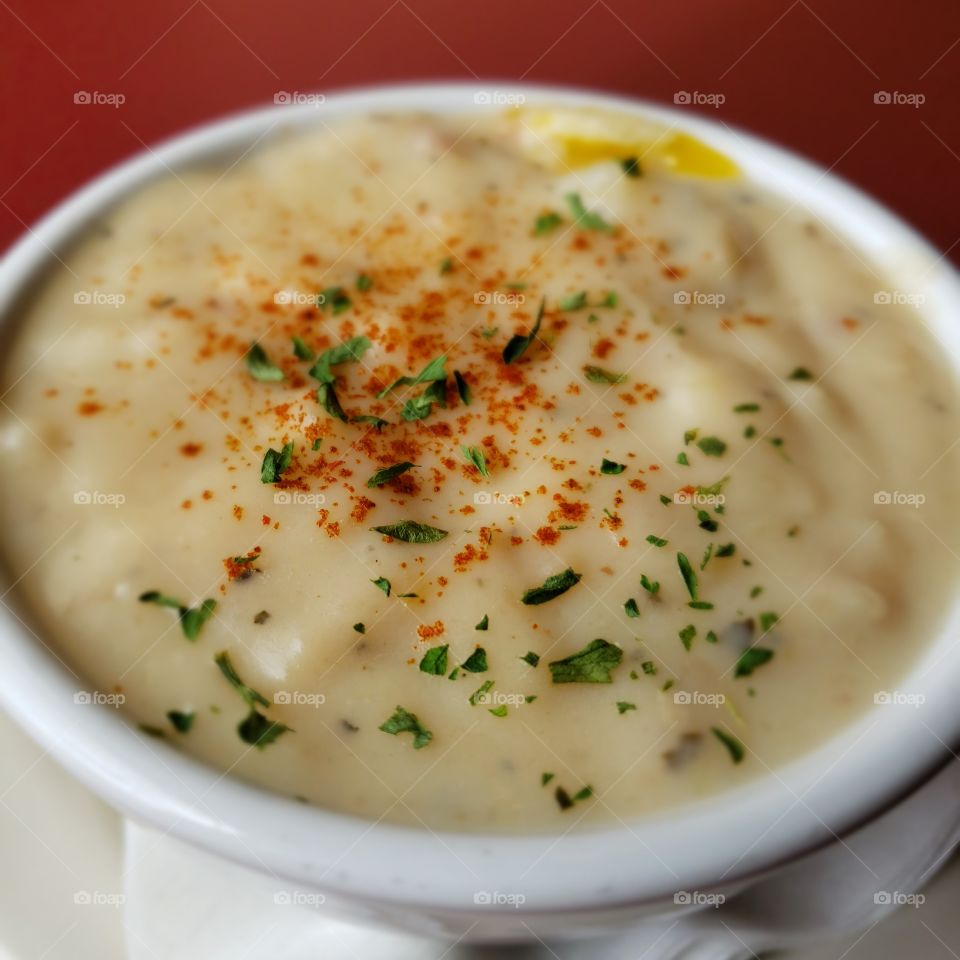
(801, 72)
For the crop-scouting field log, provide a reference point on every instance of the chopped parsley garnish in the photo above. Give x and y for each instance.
(463, 388)
(768, 621)
(433, 371)
(583, 218)
(707, 554)
(192, 619)
(545, 778)
(755, 592)
(631, 166)
(800, 373)
(727, 550)
(420, 407)
(360, 628)
(551, 587)
(388, 473)
(517, 345)
(623, 706)
(346, 352)
(573, 301)
(599, 375)
(251, 697)
(434, 661)
(648, 668)
(335, 298)
(611, 467)
(484, 688)
(151, 731)
(532, 658)
(563, 798)
(317, 444)
(446, 265)
(328, 399)
(262, 617)
(700, 605)
(750, 659)
(546, 222)
(475, 456)
(682, 459)
(383, 583)
(409, 531)
(750, 432)
(376, 422)
(260, 365)
(712, 446)
(476, 662)
(275, 463)
(711, 637)
(181, 720)
(500, 711)
(631, 609)
(593, 664)
(657, 541)
(403, 721)
(689, 575)
(364, 283)
(488, 333)
(651, 586)
(301, 351)
(483, 624)
(733, 745)
(747, 408)
(687, 635)
(706, 522)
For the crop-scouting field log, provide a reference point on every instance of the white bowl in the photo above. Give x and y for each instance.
(437, 882)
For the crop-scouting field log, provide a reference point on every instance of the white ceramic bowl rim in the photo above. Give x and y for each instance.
(719, 841)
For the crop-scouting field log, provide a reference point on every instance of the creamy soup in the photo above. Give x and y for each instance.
(484, 472)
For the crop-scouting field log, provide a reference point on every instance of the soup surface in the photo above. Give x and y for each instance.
(481, 472)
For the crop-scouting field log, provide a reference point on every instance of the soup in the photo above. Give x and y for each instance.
(485, 472)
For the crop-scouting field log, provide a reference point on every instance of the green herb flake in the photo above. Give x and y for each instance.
(484, 688)
(251, 697)
(563, 798)
(301, 351)
(800, 373)
(336, 298)
(631, 166)
(500, 711)
(545, 778)
(474, 455)
(388, 473)
(657, 541)
(360, 628)
(403, 721)
(750, 659)
(611, 467)
(687, 635)
(551, 588)
(446, 266)
(517, 345)
(432, 372)
(665, 500)
(573, 301)
(383, 583)
(260, 365)
(688, 574)
(409, 531)
(747, 408)
(711, 637)
(483, 624)
(532, 658)
(648, 668)
(191, 619)
(623, 706)
(434, 661)
(476, 662)
(682, 459)
(181, 720)
(712, 446)
(726, 550)
(376, 422)
(463, 388)
(599, 375)
(593, 664)
(275, 463)
(546, 223)
(631, 609)
(364, 283)
(583, 218)
(733, 745)
(651, 586)
(768, 621)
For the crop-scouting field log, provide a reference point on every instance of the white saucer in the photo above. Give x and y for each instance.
(62, 887)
